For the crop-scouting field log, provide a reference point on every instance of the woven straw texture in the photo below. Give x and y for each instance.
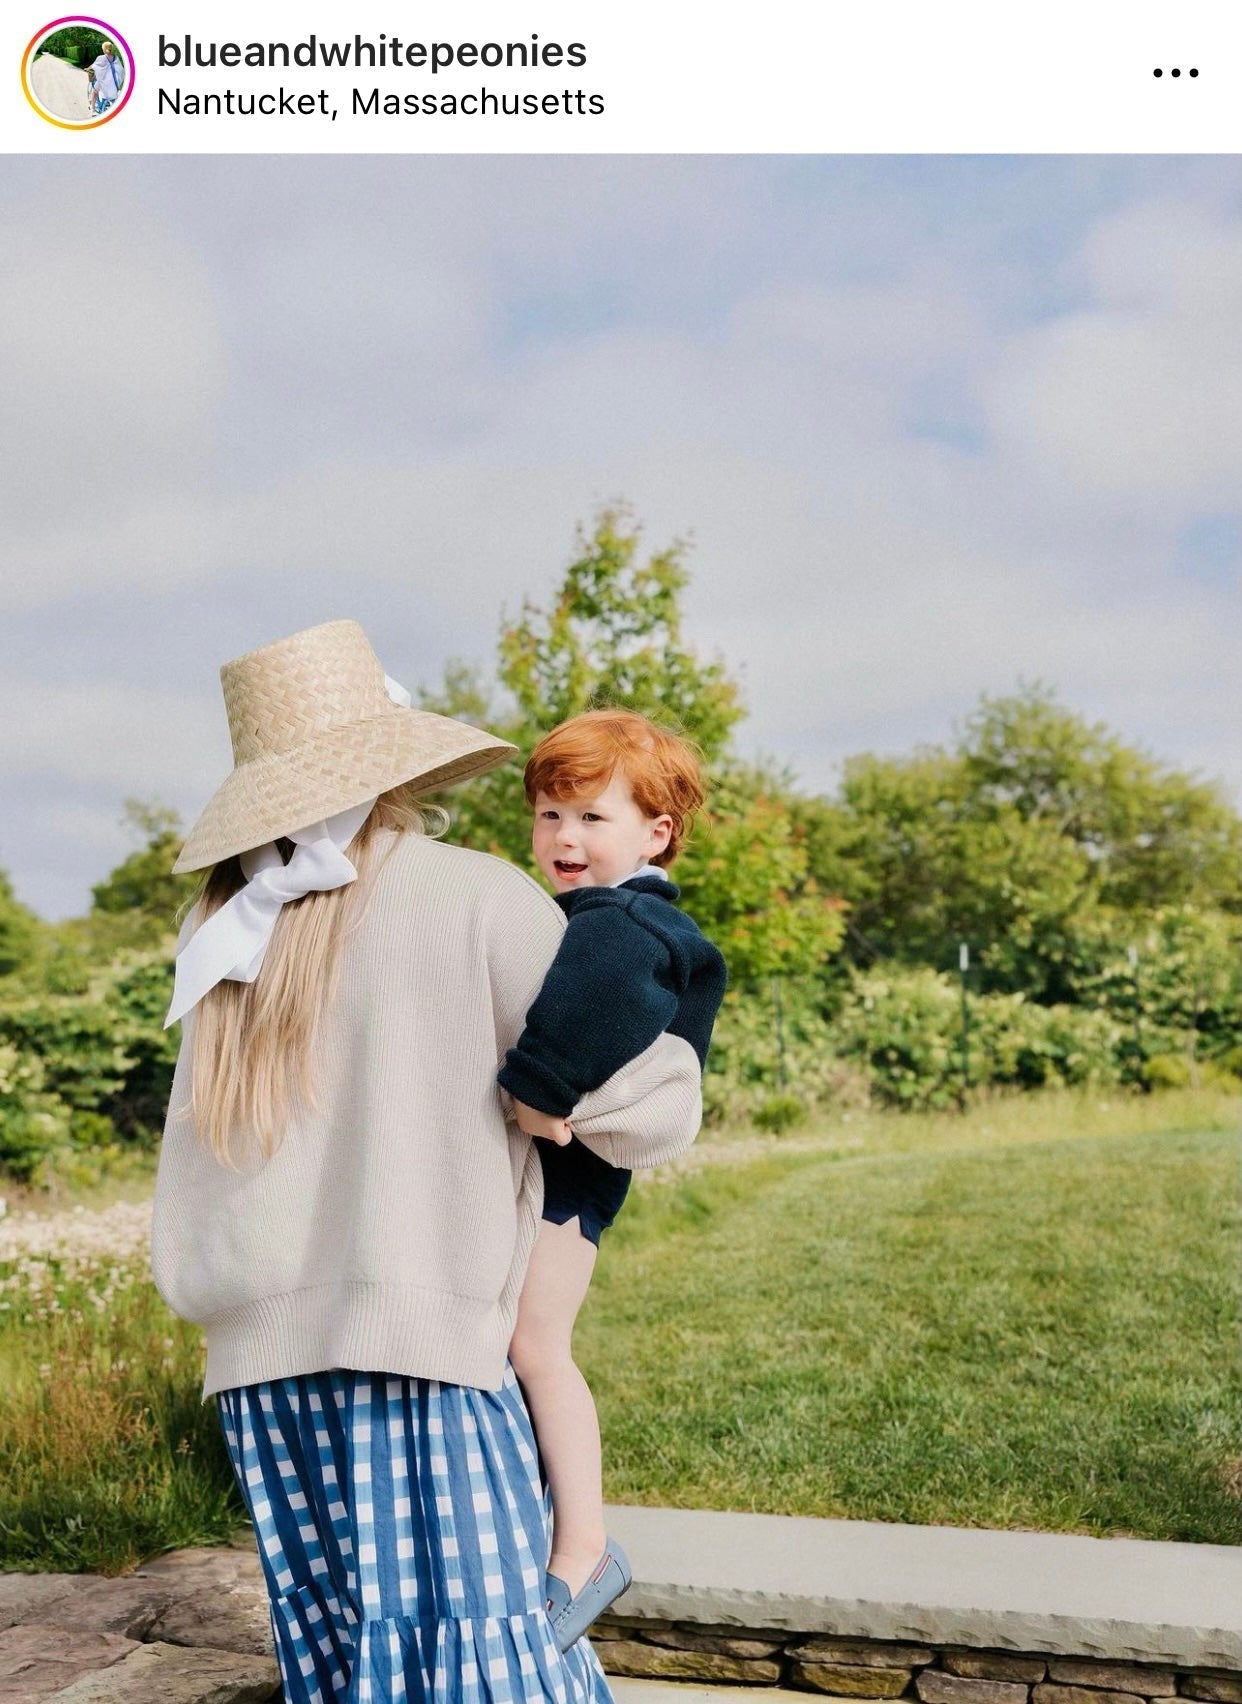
(314, 732)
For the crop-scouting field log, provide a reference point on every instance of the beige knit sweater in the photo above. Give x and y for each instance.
(391, 1230)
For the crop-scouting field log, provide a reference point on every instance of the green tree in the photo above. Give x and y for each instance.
(1154, 835)
(22, 933)
(141, 896)
(612, 634)
(76, 43)
(745, 877)
(1029, 840)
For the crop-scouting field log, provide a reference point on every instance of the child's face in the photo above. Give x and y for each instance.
(594, 842)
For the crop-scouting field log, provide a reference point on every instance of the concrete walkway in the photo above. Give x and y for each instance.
(60, 87)
(1130, 1599)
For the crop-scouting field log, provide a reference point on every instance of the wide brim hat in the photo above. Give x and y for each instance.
(315, 732)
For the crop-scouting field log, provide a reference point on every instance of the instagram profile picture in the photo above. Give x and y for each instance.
(78, 72)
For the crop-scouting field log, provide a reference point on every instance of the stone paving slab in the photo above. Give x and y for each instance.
(207, 1565)
(212, 1598)
(24, 1596)
(130, 1605)
(188, 1628)
(38, 1661)
(171, 1674)
(1132, 1600)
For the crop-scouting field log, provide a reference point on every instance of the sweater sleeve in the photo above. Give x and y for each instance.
(649, 1112)
(608, 994)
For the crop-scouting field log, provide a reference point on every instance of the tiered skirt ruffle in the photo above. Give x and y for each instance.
(403, 1529)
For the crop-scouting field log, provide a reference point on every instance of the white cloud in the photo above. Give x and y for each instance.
(890, 332)
(414, 416)
(1137, 396)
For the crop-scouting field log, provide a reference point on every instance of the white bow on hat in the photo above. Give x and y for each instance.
(232, 944)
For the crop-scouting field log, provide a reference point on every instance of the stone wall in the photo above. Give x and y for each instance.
(193, 1628)
(858, 1669)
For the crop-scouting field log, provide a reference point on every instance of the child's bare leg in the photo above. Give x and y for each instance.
(559, 1398)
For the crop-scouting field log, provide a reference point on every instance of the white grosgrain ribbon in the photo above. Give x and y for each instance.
(232, 944)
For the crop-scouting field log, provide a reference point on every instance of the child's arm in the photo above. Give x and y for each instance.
(611, 990)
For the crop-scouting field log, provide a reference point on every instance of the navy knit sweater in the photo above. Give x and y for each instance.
(630, 966)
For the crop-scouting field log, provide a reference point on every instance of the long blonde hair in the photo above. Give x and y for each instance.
(253, 1041)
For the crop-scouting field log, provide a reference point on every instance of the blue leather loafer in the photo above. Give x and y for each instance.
(571, 1616)
(558, 1595)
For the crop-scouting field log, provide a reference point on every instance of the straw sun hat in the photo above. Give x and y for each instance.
(315, 732)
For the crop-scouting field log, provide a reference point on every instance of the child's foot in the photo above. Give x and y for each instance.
(572, 1615)
(575, 1567)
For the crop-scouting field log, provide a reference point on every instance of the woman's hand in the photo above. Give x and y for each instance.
(532, 1122)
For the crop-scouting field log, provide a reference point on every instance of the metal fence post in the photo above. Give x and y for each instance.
(1133, 956)
(963, 965)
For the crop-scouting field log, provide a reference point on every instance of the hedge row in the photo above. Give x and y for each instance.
(86, 1075)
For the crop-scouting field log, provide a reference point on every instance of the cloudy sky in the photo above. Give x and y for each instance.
(934, 425)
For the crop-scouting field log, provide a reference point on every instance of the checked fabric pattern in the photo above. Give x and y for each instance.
(403, 1529)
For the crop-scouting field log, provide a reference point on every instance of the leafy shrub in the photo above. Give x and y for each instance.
(34, 1122)
(1181, 1071)
(82, 1073)
(1183, 987)
(1230, 1061)
(79, 1042)
(779, 1112)
(1168, 1071)
(896, 1039)
(905, 1028)
(77, 43)
(754, 1059)
(1028, 1046)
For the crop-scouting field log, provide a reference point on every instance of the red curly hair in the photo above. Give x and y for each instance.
(583, 754)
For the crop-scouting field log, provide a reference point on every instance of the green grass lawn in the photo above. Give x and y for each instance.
(994, 1321)
(1027, 1316)
(107, 1455)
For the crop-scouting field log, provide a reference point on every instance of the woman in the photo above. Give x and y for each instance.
(341, 1203)
(102, 81)
(116, 65)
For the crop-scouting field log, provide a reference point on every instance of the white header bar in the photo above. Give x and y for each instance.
(882, 76)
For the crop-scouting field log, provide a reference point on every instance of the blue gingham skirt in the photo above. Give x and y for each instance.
(403, 1529)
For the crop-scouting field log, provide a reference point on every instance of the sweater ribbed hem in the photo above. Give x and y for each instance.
(378, 1328)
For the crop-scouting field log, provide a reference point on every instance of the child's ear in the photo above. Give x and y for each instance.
(662, 833)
